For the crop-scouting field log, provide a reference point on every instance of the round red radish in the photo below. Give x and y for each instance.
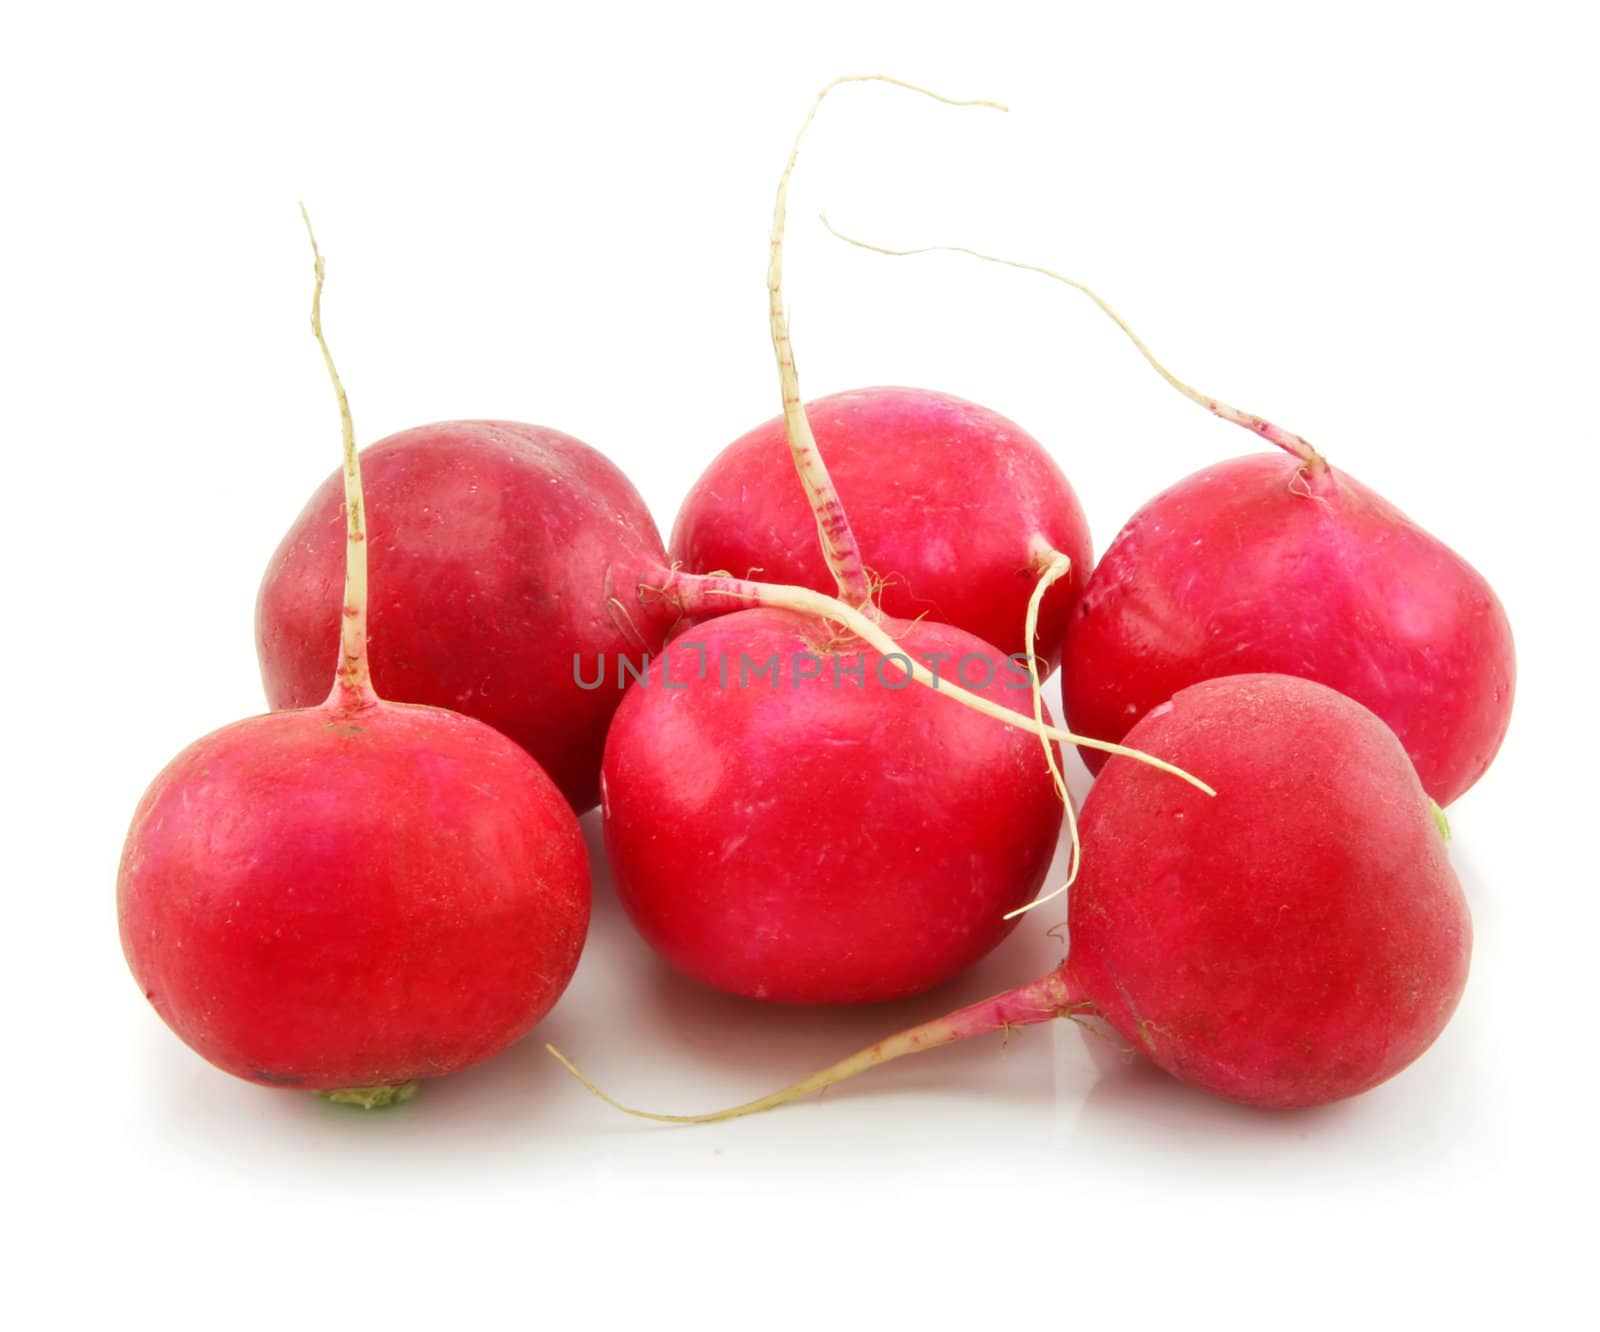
(1297, 938)
(1283, 564)
(1267, 563)
(833, 835)
(955, 509)
(501, 553)
(357, 895)
(340, 898)
(826, 832)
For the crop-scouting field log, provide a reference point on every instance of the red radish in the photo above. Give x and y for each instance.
(822, 837)
(820, 833)
(1263, 563)
(1298, 939)
(504, 552)
(1282, 563)
(350, 897)
(957, 510)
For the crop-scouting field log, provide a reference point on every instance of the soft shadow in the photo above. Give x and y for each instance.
(1138, 1121)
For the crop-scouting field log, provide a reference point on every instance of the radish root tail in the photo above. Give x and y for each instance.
(839, 545)
(1301, 448)
(1050, 997)
(1056, 567)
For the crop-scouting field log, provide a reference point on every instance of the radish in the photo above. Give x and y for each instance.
(505, 552)
(1294, 941)
(1264, 563)
(350, 897)
(784, 820)
(957, 509)
(1278, 562)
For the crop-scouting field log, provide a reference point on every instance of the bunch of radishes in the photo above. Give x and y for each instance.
(836, 784)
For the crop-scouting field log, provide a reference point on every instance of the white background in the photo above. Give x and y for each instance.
(1374, 224)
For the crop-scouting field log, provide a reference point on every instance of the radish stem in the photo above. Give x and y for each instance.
(377, 1097)
(839, 546)
(1286, 440)
(352, 686)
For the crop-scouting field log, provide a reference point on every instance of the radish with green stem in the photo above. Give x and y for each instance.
(351, 897)
(1296, 940)
(1280, 562)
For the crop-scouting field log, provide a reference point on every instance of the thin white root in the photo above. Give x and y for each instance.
(839, 546)
(807, 601)
(1063, 886)
(1056, 568)
(352, 686)
(1286, 440)
(1049, 997)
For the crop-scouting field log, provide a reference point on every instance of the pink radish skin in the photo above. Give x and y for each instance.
(499, 551)
(955, 508)
(825, 842)
(1266, 564)
(1298, 939)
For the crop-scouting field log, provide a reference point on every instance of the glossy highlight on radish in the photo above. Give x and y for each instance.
(1298, 939)
(354, 896)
